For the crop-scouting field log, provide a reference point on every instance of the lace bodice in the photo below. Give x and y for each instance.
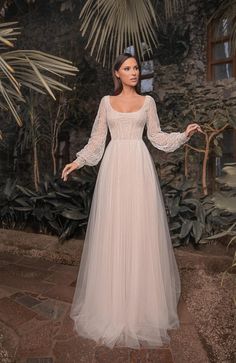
(126, 125)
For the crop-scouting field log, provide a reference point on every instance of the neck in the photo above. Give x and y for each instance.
(128, 91)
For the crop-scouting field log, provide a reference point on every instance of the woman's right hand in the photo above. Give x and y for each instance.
(68, 169)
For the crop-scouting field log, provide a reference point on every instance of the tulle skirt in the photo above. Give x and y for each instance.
(128, 284)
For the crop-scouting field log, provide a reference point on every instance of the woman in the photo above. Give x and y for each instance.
(128, 284)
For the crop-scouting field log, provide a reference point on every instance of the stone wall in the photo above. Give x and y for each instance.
(183, 82)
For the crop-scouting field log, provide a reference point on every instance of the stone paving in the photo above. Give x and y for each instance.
(35, 298)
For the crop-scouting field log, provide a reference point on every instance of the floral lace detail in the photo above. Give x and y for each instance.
(92, 152)
(122, 124)
(164, 141)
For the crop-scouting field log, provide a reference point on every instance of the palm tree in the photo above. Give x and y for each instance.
(33, 69)
(113, 25)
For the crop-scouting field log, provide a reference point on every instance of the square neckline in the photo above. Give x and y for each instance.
(127, 112)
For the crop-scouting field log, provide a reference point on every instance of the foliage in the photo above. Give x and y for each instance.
(111, 26)
(174, 43)
(194, 219)
(115, 25)
(28, 69)
(225, 202)
(56, 208)
(222, 204)
(186, 214)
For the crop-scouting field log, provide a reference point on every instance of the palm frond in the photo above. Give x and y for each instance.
(32, 69)
(8, 33)
(10, 103)
(33, 65)
(114, 25)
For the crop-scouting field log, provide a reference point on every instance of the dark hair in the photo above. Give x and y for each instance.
(116, 66)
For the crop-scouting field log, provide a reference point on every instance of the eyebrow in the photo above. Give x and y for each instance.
(130, 66)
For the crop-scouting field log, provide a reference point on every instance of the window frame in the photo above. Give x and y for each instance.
(210, 61)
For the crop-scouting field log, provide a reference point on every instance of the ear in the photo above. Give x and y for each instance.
(117, 74)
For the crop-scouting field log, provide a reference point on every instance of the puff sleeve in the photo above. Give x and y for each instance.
(164, 141)
(93, 151)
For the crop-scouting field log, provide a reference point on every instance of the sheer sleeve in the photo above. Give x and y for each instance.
(92, 152)
(164, 141)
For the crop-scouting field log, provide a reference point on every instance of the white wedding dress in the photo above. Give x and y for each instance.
(128, 284)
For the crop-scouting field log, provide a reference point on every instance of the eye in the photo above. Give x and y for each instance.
(126, 68)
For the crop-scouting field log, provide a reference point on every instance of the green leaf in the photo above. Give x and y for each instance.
(73, 214)
(174, 226)
(186, 228)
(197, 230)
(192, 201)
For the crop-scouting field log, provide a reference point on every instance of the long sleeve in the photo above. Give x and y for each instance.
(93, 151)
(164, 141)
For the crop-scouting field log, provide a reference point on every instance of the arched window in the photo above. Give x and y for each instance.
(221, 58)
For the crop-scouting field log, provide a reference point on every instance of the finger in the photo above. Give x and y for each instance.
(65, 175)
(65, 170)
(191, 126)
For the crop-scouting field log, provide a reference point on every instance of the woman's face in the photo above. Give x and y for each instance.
(128, 72)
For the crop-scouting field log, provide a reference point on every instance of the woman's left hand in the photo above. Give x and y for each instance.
(192, 128)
